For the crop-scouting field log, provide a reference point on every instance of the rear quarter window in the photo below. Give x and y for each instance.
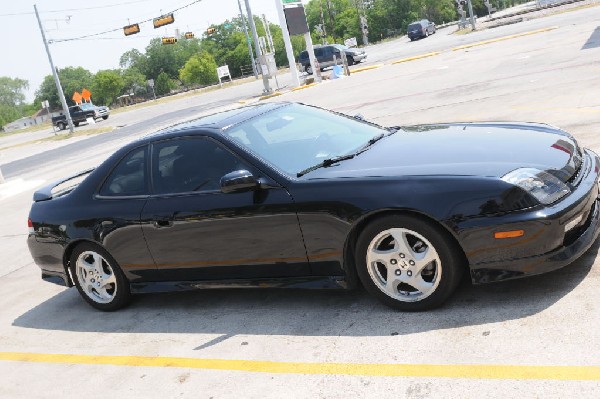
(128, 178)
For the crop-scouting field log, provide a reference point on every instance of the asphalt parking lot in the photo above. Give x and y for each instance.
(536, 337)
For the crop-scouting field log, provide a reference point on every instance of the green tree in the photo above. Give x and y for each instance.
(72, 79)
(107, 85)
(168, 58)
(163, 84)
(200, 69)
(12, 99)
(134, 82)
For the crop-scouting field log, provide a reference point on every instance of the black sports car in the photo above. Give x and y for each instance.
(288, 195)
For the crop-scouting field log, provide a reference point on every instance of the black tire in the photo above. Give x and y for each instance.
(61, 125)
(350, 61)
(308, 70)
(118, 293)
(105, 117)
(76, 124)
(444, 272)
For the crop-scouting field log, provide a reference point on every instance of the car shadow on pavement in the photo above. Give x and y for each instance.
(229, 312)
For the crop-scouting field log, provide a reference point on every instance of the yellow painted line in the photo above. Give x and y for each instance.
(246, 101)
(366, 68)
(499, 39)
(277, 93)
(416, 57)
(475, 371)
(304, 87)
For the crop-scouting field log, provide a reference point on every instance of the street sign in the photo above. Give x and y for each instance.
(223, 71)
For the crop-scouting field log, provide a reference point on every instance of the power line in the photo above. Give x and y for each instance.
(76, 9)
(120, 28)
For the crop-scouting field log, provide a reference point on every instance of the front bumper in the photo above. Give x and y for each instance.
(547, 244)
(359, 57)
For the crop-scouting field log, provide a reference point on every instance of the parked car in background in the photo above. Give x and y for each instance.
(80, 113)
(420, 29)
(324, 56)
(100, 111)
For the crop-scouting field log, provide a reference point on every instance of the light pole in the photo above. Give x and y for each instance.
(256, 46)
(61, 95)
(254, 69)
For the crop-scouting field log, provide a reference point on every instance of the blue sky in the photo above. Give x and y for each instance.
(22, 49)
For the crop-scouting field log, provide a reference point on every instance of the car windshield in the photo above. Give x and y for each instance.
(296, 137)
(341, 46)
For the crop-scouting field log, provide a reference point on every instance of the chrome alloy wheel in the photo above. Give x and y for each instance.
(96, 277)
(404, 265)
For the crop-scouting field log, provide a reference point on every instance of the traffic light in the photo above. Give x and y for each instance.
(163, 20)
(169, 40)
(188, 35)
(210, 31)
(131, 29)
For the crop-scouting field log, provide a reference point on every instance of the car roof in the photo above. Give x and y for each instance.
(221, 120)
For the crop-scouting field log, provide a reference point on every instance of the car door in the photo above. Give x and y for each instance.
(196, 232)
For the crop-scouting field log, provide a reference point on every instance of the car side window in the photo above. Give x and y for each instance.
(318, 52)
(129, 176)
(191, 164)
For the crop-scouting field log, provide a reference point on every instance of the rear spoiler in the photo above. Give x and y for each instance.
(45, 193)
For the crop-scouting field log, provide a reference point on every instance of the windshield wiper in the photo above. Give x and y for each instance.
(370, 143)
(326, 162)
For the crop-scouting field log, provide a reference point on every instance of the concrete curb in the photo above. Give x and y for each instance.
(365, 68)
(416, 57)
(304, 87)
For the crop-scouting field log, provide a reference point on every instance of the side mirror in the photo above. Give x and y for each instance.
(238, 181)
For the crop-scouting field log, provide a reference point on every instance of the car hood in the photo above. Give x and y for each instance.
(354, 51)
(468, 149)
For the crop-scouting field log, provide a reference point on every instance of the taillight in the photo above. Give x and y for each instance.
(30, 225)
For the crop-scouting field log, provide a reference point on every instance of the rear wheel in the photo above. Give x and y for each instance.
(61, 125)
(407, 263)
(350, 60)
(76, 123)
(105, 117)
(98, 278)
(308, 70)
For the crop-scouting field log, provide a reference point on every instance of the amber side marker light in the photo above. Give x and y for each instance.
(509, 234)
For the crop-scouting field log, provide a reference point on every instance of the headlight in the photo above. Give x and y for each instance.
(545, 187)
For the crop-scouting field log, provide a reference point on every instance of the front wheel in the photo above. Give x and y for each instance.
(350, 61)
(61, 126)
(407, 263)
(308, 70)
(105, 117)
(98, 278)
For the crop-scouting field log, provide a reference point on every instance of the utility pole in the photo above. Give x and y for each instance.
(61, 95)
(470, 4)
(254, 68)
(256, 46)
(288, 44)
(268, 32)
